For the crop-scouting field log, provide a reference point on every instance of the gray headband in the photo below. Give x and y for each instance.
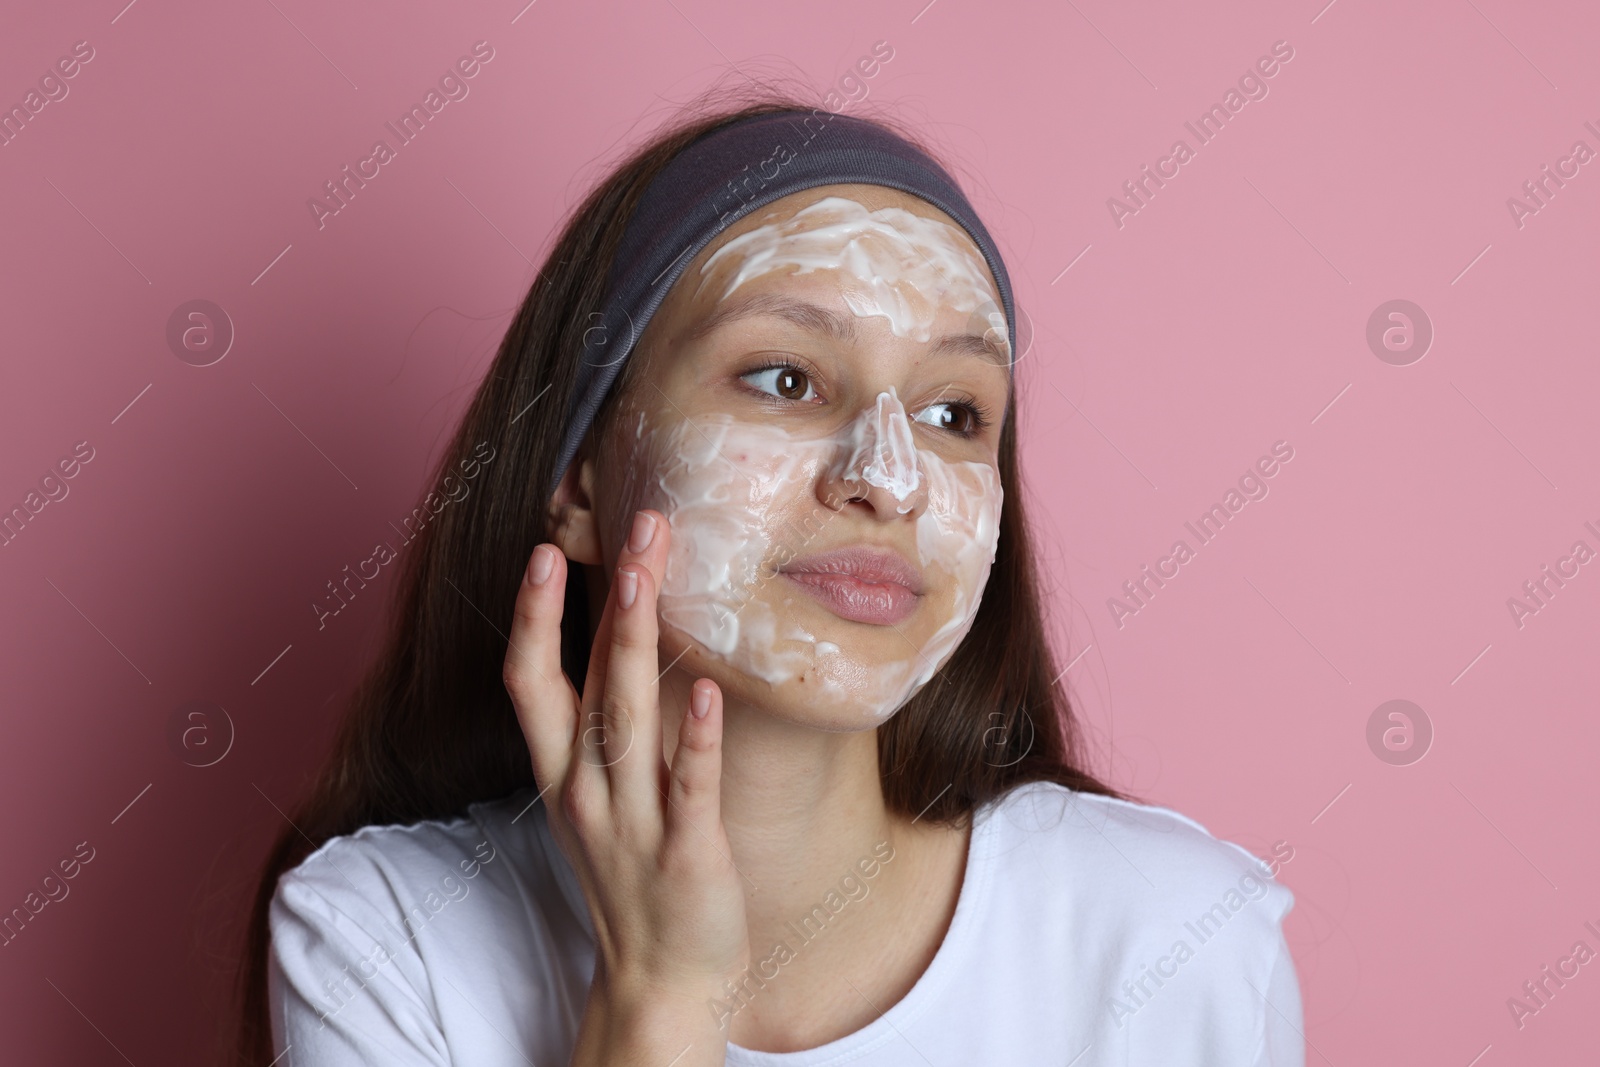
(717, 180)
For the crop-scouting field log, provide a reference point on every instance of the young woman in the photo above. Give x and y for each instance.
(746, 464)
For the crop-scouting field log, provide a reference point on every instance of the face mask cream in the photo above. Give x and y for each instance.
(741, 500)
(903, 266)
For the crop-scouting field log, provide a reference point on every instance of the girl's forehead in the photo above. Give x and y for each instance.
(803, 213)
(798, 243)
(871, 197)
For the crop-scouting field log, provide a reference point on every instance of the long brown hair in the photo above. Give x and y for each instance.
(431, 729)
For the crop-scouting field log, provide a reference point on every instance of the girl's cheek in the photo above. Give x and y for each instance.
(720, 485)
(740, 501)
(959, 533)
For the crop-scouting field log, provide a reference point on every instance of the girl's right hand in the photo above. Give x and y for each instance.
(646, 840)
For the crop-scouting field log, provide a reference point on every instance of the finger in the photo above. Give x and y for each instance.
(648, 540)
(601, 742)
(629, 702)
(694, 789)
(646, 543)
(545, 701)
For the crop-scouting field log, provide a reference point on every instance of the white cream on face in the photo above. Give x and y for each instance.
(905, 267)
(741, 497)
(883, 452)
(741, 501)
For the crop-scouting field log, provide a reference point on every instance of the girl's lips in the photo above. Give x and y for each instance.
(861, 583)
(879, 603)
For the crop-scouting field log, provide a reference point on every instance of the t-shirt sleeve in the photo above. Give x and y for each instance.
(342, 991)
(1283, 1041)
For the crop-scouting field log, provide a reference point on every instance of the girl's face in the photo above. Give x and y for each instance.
(818, 417)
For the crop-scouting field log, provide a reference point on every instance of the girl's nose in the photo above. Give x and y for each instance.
(882, 452)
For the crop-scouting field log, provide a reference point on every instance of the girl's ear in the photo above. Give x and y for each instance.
(572, 521)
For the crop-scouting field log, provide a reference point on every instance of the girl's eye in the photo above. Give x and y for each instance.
(790, 383)
(958, 418)
(963, 418)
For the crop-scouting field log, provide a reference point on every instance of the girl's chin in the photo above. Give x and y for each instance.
(798, 705)
(844, 696)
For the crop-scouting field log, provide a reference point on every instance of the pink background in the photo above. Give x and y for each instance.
(1229, 313)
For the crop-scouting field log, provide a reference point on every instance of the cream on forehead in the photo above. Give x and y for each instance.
(908, 266)
(729, 489)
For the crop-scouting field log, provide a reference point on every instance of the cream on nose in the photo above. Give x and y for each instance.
(882, 452)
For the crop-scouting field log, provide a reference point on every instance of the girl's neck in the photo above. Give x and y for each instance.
(800, 805)
(821, 854)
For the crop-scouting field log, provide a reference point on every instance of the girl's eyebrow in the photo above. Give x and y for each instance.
(806, 315)
(834, 325)
(971, 344)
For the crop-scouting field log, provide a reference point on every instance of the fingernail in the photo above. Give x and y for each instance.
(540, 566)
(627, 588)
(699, 701)
(644, 531)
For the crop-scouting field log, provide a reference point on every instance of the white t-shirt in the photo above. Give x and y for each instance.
(1088, 932)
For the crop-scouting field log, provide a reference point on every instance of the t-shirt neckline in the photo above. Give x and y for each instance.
(947, 960)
